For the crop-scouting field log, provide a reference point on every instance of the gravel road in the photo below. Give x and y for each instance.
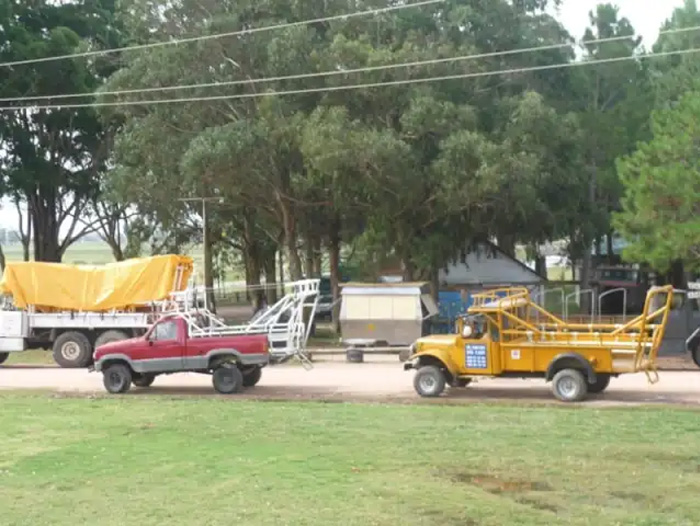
(376, 381)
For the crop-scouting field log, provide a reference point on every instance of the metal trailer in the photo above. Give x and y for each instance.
(74, 335)
(384, 317)
(287, 323)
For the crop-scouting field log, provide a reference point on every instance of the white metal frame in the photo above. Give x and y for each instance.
(284, 322)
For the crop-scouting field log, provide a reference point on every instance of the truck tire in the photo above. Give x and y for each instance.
(569, 385)
(429, 381)
(601, 384)
(117, 378)
(252, 377)
(227, 379)
(4, 356)
(72, 350)
(110, 337)
(143, 380)
(695, 355)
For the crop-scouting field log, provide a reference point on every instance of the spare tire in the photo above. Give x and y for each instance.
(72, 349)
(4, 356)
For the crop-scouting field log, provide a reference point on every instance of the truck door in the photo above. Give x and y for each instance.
(165, 349)
(476, 343)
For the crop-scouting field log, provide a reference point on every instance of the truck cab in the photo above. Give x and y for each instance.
(234, 360)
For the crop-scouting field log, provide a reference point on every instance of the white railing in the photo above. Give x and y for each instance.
(287, 323)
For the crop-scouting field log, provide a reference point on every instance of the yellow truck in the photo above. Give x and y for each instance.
(506, 334)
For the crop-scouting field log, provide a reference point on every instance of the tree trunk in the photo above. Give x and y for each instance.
(253, 257)
(290, 242)
(208, 264)
(246, 268)
(41, 206)
(2, 259)
(677, 276)
(334, 263)
(257, 294)
(308, 258)
(281, 272)
(435, 283)
(270, 268)
(507, 245)
(409, 270)
(611, 256)
(541, 265)
(25, 236)
(586, 265)
(318, 258)
(116, 249)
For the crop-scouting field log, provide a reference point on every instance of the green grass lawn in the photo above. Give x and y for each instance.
(155, 461)
(33, 357)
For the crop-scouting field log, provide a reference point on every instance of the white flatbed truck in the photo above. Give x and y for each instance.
(72, 336)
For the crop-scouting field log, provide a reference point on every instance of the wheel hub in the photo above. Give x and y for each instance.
(567, 387)
(427, 384)
(115, 379)
(70, 351)
(226, 378)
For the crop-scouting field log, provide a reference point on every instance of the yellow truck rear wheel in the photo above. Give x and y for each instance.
(601, 383)
(569, 385)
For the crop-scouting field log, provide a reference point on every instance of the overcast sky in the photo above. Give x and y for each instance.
(646, 16)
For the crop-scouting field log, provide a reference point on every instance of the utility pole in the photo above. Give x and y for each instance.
(209, 302)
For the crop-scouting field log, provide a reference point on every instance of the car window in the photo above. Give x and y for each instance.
(166, 330)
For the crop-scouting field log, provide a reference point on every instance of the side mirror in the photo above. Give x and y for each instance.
(467, 331)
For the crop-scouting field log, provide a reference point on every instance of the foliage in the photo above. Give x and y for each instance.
(413, 174)
(661, 208)
(53, 158)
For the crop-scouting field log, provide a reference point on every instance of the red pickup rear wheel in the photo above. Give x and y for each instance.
(252, 376)
(227, 379)
(143, 380)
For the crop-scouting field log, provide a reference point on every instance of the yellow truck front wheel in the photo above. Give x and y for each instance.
(569, 385)
(429, 381)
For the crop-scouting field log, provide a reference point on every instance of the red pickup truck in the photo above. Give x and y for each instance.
(233, 361)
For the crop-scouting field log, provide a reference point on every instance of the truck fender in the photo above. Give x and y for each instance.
(693, 340)
(429, 357)
(222, 353)
(570, 360)
(122, 358)
(239, 357)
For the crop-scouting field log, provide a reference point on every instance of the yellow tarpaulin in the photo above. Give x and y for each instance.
(95, 288)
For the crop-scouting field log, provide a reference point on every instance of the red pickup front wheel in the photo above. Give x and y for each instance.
(227, 379)
(117, 378)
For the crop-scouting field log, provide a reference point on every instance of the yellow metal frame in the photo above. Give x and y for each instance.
(512, 312)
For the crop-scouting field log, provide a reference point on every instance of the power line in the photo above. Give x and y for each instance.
(493, 54)
(355, 86)
(221, 35)
(313, 75)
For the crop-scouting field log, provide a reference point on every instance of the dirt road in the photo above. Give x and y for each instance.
(380, 381)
